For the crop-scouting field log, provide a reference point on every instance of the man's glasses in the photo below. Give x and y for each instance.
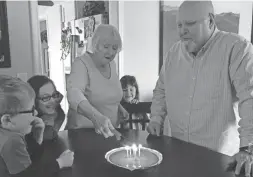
(55, 95)
(32, 111)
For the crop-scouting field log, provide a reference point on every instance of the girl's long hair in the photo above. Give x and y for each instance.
(130, 80)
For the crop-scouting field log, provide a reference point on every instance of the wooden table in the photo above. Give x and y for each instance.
(180, 159)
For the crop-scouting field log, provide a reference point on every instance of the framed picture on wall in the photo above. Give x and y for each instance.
(91, 8)
(5, 60)
(227, 16)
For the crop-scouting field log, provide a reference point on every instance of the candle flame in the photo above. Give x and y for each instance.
(134, 147)
(133, 151)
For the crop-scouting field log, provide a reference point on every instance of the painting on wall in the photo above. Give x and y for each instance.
(44, 46)
(227, 16)
(91, 8)
(5, 60)
(85, 27)
(76, 34)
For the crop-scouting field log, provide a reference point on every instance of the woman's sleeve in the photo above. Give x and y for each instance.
(76, 83)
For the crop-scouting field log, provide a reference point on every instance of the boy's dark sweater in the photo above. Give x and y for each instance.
(38, 168)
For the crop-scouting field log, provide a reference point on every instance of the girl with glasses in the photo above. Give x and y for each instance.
(47, 104)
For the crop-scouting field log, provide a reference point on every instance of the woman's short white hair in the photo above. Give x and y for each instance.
(102, 32)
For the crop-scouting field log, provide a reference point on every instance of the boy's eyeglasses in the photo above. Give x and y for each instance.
(28, 111)
(47, 98)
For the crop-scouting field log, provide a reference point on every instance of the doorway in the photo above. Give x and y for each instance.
(50, 21)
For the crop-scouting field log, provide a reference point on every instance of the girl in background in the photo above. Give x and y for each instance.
(131, 95)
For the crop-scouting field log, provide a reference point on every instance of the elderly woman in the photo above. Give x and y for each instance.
(93, 88)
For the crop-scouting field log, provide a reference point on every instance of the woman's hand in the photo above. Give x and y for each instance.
(104, 126)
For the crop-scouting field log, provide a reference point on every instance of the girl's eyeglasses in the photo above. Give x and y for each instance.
(48, 97)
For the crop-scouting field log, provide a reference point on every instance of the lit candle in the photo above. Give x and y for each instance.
(139, 149)
(127, 149)
(134, 147)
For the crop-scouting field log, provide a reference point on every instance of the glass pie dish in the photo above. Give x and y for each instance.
(142, 159)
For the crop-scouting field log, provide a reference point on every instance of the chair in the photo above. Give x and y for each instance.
(141, 107)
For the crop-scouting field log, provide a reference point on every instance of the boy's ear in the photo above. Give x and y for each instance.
(5, 119)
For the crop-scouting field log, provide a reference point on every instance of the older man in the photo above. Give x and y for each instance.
(199, 80)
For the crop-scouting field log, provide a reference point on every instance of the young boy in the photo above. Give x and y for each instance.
(21, 133)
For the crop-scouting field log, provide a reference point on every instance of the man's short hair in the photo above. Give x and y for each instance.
(15, 94)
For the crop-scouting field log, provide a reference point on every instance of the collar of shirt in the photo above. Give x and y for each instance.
(209, 41)
(205, 47)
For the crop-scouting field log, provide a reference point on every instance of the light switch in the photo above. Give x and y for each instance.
(22, 76)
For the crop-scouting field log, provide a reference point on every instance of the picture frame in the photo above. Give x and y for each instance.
(5, 59)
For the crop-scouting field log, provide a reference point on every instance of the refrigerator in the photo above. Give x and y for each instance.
(81, 33)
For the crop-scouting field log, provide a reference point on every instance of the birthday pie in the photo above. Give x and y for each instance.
(145, 159)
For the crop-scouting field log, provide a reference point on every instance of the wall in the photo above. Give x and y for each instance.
(20, 39)
(245, 22)
(56, 65)
(114, 20)
(139, 28)
(69, 7)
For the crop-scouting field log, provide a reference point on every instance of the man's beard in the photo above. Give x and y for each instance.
(190, 46)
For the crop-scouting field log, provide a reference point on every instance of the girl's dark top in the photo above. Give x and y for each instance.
(51, 131)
